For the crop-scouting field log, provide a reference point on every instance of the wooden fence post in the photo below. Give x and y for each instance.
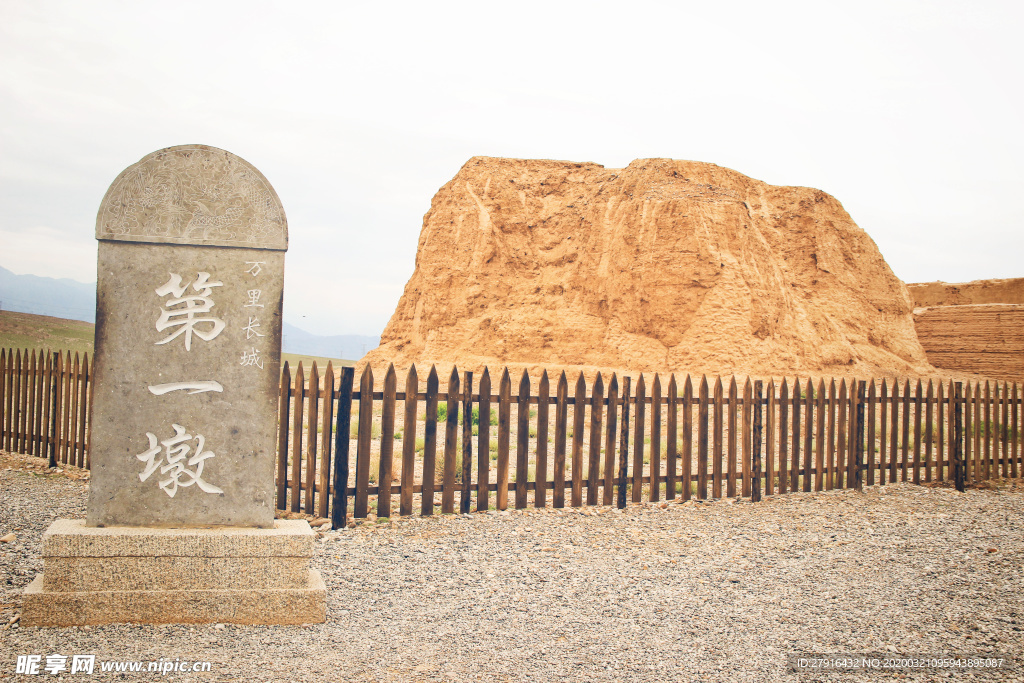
(1014, 435)
(360, 504)
(451, 437)
(843, 477)
(987, 455)
(686, 461)
(298, 395)
(871, 433)
(654, 494)
(84, 400)
(540, 494)
(283, 423)
(466, 500)
(671, 444)
(755, 446)
(730, 449)
(702, 439)
(21, 388)
(309, 504)
(1004, 429)
(504, 427)
(408, 480)
(747, 455)
(959, 470)
(44, 419)
(561, 417)
(3, 399)
(769, 451)
(579, 408)
(72, 451)
(522, 440)
(809, 437)
(611, 426)
(941, 417)
(638, 440)
(483, 445)
(859, 436)
(784, 436)
(594, 464)
(978, 425)
(716, 441)
(430, 444)
(67, 420)
(32, 409)
(342, 435)
(894, 430)
(834, 460)
(929, 413)
(623, 445)
(905, 446)
(326, 447)
(822, 474)
(386, 470)
(918, 409)
(795, 471)
(55, 383)
(883, 409)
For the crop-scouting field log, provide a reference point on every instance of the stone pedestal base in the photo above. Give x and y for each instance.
(159, 576)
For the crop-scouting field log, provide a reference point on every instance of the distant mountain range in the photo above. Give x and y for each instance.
(64, 298)
(61, 298)
(347, 346)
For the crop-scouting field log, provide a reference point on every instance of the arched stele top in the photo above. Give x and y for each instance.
(193, 194)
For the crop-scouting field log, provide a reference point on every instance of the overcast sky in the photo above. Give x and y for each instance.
(910, 113)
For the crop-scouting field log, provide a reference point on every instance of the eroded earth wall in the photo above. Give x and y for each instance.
(972, 327)
(662, 265)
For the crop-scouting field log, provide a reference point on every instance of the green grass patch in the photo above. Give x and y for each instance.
(28, 331)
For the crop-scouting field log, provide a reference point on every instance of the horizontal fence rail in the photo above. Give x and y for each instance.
(541, 441)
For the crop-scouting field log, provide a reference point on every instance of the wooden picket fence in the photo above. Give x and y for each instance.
(660, 438)
(44, 405)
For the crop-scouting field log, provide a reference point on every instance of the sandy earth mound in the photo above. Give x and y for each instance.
(663, 265)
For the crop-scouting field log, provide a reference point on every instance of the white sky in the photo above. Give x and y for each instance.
(910, 113)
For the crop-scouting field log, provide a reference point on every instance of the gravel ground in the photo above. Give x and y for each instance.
(721, 591)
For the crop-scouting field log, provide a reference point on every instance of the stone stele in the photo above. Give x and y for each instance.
(180, 521)
(188, 343)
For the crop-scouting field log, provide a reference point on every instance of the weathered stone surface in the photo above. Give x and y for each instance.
(135, 362)
(188, 338)
(193, 194)
(72, 538)
(172, 606)
(661, 266)
(103, 575)
(65, 574)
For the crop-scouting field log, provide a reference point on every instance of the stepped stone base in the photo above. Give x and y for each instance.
(144, 575)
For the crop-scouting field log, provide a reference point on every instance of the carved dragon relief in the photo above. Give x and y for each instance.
(193, 195)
